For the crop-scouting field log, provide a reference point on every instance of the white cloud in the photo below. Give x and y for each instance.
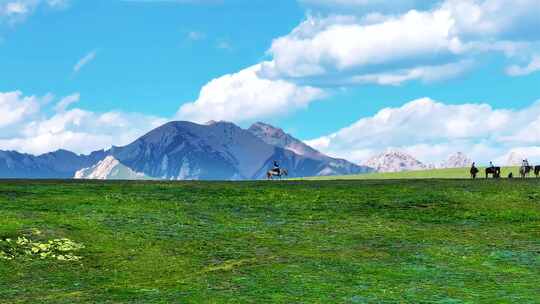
(317, 46)
(494, 18)
(365, 5)
(424, 73)
(244, 96)
(58, 3)
(65, 102)
(84, 61)
(327, 50)
(29, 128)
(192, 2)
(401, 46)
(532, 67)
(14, 107)
(432, 130)
(14, 11)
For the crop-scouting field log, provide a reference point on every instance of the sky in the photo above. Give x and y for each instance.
(352, 78)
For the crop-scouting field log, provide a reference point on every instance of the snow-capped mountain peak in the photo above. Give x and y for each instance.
(515, 159)
(108, 168)
(457, 160)
(394, 161)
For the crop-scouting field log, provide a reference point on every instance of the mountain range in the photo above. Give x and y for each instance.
(398, 161)
(58, 164)
(183, 150)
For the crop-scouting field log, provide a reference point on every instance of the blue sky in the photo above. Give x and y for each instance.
(145, 60)
(321, 69)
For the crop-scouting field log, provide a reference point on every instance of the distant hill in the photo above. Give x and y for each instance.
(217, 150)
(394, 161)
(515, 159)
(58, 164)
(457, 160)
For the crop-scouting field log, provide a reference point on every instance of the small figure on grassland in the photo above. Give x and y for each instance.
(474, 171)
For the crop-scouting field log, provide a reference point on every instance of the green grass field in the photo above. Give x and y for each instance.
(367, 241)
(457, 173)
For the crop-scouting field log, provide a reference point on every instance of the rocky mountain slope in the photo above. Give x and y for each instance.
(217, 150)
(394, 161)
(456, 160)
(398, 161)
(185, 150)
(277, 137)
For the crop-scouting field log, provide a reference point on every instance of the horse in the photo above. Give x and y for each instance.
(279, 173)
(524, 171)
(495, 171)
(474, 172)
(537, 171)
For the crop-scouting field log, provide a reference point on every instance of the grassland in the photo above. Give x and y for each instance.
(454, 173)
(370, 241)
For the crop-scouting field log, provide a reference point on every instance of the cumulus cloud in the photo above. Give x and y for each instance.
(432, 130)
(321, 46)
(14, 107)
(245, 96)
(353, 46)
(28, 127)
(504, 19)
(441, 40)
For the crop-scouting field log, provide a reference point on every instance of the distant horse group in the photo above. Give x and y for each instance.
(495, 172)
(524, 171)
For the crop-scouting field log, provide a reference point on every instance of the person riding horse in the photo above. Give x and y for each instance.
(276, 168)
(474, 171)
(525, 168)
(495, 171)
(276, 171)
